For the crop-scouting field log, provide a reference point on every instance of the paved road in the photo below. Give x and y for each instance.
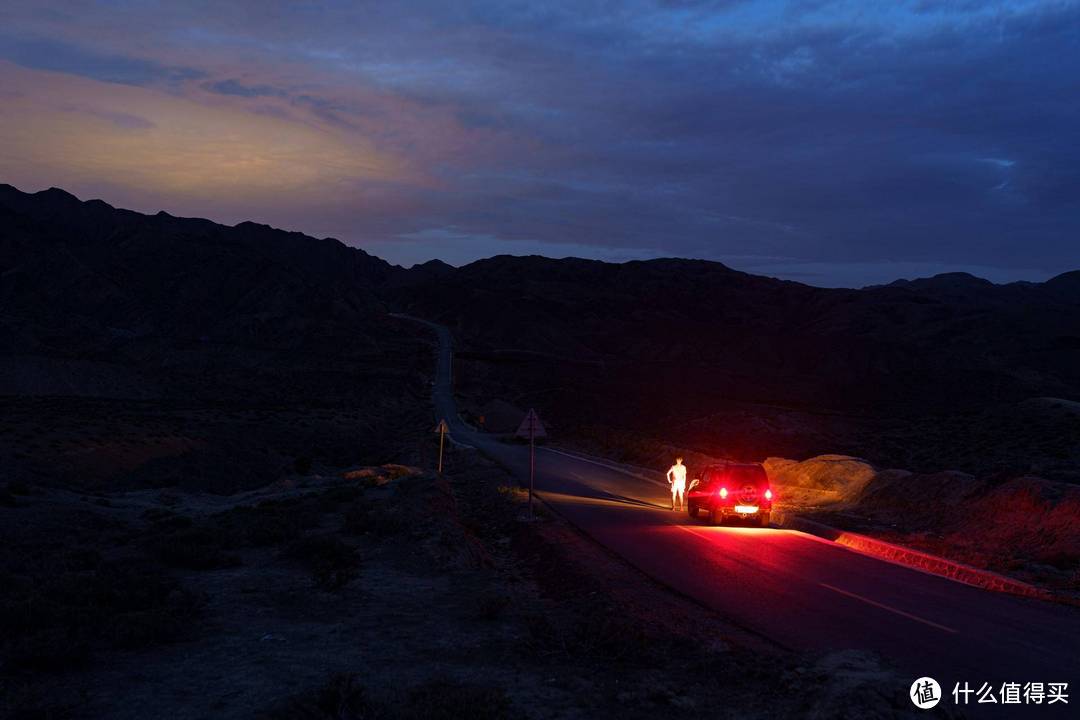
(797, 590)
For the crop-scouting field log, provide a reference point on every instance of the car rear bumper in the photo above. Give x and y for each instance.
(743, 511)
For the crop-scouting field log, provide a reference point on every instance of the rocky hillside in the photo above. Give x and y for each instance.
(700, 328)
(141, 350)
(106, 302)
(85, 282)
(930, 374)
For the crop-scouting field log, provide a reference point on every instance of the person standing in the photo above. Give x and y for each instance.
(676, 477)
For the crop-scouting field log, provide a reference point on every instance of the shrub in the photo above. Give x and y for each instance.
(448, 700)
(492, 607)
(49, 650)
(53, 620)
(261, 526)
(165, 519)
(345, 698)
(271, 522)
(357, 519)
(603, 634)
(195, 548)
(342, 698)
(598, 632)
(333, 563)
(273, 528)
(380, 475)
(22, 701)
(394, 471)
(330, 499)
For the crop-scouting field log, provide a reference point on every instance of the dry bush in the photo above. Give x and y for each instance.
(449, 700)
(492, 607)
(18, 487)
(332, 562)
(344, 697)
(267, 524)
(380, 475)
(357, 519)
(597, 632)
(20, 700)
(195, 548)
(164, 519)
(395, 471)
(54, 619)
(334, 497)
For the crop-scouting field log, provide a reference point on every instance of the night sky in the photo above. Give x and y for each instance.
(835, 143)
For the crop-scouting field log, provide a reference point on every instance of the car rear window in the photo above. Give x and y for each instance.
(753, 475)
(712, 475)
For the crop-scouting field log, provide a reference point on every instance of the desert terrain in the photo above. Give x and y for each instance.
(218, 500)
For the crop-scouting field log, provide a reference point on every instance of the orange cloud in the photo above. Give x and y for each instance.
(164, 148)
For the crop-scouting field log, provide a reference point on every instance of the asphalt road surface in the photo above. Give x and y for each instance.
(797, 590)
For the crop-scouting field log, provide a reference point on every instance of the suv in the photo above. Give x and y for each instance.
(729, 491)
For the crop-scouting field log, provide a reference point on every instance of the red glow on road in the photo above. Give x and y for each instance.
(718, 531)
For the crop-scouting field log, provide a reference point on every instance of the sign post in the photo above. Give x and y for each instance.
(442, 428)
(532, 428)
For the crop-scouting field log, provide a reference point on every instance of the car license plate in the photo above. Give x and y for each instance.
(746, 509)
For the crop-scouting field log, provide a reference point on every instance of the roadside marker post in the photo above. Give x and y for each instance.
(532, 428)
(442, 428)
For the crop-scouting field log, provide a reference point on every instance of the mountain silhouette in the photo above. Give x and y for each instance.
(685, 328)
(173, 305)
(187, 303)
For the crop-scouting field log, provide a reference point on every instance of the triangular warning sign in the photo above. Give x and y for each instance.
(442, 427)
(531, 426)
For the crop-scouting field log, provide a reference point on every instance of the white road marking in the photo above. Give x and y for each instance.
(883, 606)
(866, 600)
(616, 468)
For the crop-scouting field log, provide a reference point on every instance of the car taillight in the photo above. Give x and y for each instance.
(768, 494)
(723, 492)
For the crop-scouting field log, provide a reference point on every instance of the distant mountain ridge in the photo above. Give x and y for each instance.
(176, 298)
(83, 280)
(943, 337)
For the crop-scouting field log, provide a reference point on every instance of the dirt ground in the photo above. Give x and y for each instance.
(381, 593)
(97, 444)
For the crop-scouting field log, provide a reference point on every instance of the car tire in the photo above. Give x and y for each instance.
(764, 519)
(692, 511)
(716, 516)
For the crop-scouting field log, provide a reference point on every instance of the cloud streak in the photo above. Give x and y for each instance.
(830, 133)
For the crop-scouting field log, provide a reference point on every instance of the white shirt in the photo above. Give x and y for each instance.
(679, 473)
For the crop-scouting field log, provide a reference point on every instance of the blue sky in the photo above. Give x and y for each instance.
(835, 143)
